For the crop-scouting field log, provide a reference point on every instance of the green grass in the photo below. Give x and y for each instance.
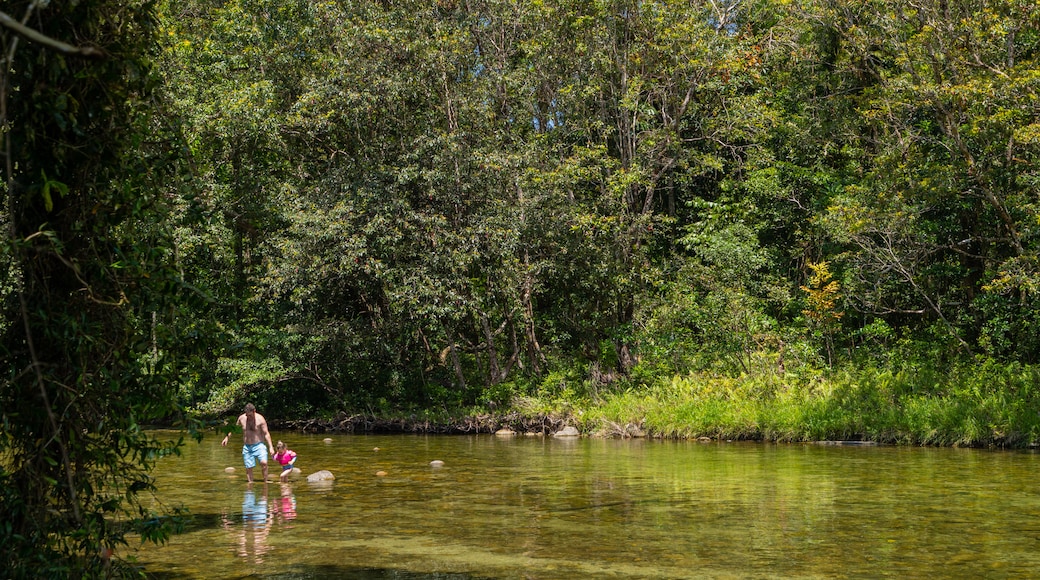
(985, 404)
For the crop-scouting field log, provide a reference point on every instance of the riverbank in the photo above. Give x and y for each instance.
(987, 406)
(442, 424)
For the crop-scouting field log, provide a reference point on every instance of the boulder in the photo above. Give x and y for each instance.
(567, 432)
(505, 432)
(323, 475)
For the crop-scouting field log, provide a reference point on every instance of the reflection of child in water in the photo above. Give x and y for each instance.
(288, 503)
(286, 457)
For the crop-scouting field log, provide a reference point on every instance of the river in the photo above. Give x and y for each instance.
(543, 508)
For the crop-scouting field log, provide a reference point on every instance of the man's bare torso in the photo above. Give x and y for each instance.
(257, 433)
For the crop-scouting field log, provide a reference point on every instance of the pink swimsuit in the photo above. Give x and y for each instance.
(284, 457)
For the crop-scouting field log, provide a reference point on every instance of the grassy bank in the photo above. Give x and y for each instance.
(977, 405)
(983, 404)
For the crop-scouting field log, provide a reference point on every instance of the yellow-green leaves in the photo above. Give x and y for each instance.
(822, 295)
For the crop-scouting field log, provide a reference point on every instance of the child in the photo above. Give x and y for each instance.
(287, 458)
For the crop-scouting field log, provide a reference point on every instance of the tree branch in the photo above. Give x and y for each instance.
(54, 44)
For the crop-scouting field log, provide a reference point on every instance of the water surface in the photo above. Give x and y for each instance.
(532, 507)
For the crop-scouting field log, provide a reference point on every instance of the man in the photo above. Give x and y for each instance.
(254, 433)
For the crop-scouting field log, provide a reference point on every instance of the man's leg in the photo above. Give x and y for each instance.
(249, 459)
(263, 467)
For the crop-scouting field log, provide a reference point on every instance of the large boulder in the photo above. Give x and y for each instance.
(567, 432)
(323, 475)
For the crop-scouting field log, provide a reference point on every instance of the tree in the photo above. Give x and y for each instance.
(464, 190)
(233, 75)
(90, 332)
(940, 212)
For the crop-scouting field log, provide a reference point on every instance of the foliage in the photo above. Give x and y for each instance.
(974, 405)
(419, 203)
(936, 216)
(822, 295)
(821, 218)
(93, 305)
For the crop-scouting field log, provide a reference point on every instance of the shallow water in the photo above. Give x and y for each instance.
(532, 507)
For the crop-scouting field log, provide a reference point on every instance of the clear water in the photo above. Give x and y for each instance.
(529, 508)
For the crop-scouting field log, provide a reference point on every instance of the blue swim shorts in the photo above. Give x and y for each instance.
(253, 453)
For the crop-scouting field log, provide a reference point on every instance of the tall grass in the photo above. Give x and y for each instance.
(982, 404)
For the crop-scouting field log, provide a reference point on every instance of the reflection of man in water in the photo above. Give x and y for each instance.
(256, 525)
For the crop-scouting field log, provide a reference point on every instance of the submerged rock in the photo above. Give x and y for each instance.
(229, 470)
(505, 432)
(323, 475)
(436, 463)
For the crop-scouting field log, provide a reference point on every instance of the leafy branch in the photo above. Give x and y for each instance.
(52, 43)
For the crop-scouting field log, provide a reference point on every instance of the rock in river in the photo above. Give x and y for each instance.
(323, 475)
(567, 432)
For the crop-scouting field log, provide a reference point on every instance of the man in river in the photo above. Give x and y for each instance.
(254, 434)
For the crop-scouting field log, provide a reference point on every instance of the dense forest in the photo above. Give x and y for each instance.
(769, 219)
(458, 202)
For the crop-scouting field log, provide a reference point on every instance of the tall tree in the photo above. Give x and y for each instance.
(89, 332)
(233, 73)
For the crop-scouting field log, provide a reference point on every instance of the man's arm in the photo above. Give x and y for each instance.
(228, 436)
(267, 436)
